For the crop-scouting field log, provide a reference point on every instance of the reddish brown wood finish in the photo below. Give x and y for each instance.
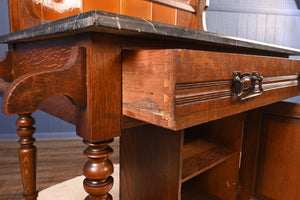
(6, 66)
(270, 162)
(3, 87)
(222, 178)
(100, 121)
(22, 17)
(98, 170)
(166, 160)
(151, 163)
(177, 89)
(188, 13)
(27, 92)
(27, 156)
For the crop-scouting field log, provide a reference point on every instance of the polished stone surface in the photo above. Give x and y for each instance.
(100, 21)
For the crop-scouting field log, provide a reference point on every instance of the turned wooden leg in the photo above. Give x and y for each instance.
(27, 155)
(98, 170)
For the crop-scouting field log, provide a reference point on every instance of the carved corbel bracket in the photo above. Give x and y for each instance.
(25, 94)
(6, 67)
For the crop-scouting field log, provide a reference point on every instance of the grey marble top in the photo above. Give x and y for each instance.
(100, 21)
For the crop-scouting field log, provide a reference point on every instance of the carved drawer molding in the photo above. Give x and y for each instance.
(178, 88)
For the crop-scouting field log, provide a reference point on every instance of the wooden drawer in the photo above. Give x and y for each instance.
(176, 88)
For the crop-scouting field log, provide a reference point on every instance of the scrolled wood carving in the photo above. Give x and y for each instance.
(26, 93)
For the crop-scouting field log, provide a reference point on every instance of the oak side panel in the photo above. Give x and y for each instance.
(150, 157)
(149, 86)
(278, 173)
(45, 54)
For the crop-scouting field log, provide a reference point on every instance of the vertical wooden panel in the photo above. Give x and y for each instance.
(270, 159)
(186, 19)
(20, 17)
(163, 14)
(100, 121)
(137, 8)
(278, 175)
(151, 163)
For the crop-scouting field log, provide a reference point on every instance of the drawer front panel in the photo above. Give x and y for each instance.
(199, 89)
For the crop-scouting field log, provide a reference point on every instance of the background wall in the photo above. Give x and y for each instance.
(272, 21)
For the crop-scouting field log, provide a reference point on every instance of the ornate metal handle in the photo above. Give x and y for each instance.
(243, 85)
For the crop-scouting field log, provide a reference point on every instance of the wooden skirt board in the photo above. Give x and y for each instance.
(177, 88)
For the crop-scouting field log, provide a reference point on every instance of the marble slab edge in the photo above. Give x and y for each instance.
(100, 21)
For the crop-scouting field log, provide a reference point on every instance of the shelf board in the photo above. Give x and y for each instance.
(200, 155)
(191, 192)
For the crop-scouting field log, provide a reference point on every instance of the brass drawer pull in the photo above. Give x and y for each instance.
(243, 85)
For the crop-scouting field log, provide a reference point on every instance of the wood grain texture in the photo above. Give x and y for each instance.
(27, 92)
(3, 87)
(201, 155)
(187, 19)
(20, 17)
(151, 163)
(100, 121)
(57, 161)
(270, 167)
(6, 66)
(221, 180)
(27, 156)
(149, 89)
(98, 170)
(197, 85)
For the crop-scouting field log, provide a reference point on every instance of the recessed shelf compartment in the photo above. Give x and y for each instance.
(191, 191)
(200, 155)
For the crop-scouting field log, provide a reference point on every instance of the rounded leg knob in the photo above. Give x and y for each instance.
(98, 170)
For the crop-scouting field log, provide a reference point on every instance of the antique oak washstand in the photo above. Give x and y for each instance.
(111, 74)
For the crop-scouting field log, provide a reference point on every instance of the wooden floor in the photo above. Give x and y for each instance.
(58, 160)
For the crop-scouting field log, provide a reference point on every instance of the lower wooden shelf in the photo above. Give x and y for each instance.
(200, 155)
(190, 191)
